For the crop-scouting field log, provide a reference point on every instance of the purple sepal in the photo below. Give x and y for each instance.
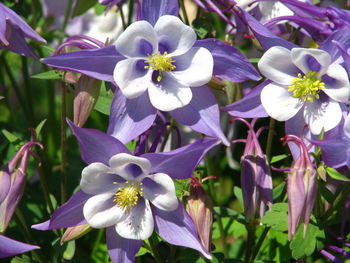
(266, 38)
(342, 36)
(330, 256)
(180, 163)
(121, 249)
(249, 106)
(5, 184)
(96, 63)
(96, 146)
(177, 228)
(229, 63)
(202, 114)
(345, 54)
(151, 10)
(67, 215)
(10, 247)
(304, 9)
(130, 118)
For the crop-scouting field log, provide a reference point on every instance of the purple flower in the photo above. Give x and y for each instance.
(301, 188)
(10, 247)
(162, 61)
(304, 80)
(13, 31)
(130, 195)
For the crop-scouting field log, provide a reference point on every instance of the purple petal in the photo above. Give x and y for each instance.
(130, 118)
(345, 54)
(121, 249)
(265, 37)
(202, 114)
(177, 228)
(229, 63)
(96, 146)
(97, 63)
(336, 152)
(10, 247)
(340, 36)
(249, 106)
(5, 184)
(67, 215)
(330, 256)
(151, 10)
(180, 163)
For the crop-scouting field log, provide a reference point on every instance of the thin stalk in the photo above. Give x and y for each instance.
(45, 187)
(270, 138)
(259, 244)
(67, 15)
(152, 244)
(183, 9)
(250, 243)
(20, 222)
(122, 15)
(28, 89)
(63, 144)
(166, 137)
(222, 235)
(131, 12)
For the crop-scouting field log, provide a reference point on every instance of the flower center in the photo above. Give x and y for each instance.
(307, 87)
(128, 195)
(161, 63)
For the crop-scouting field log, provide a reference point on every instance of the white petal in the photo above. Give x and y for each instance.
(138, 40)
(132, 78)
(176, 37)
(276, 64)
(97, 178)
(130, 167)
(271, 10)
(139, 223)
(194, 68)
(101, 211)
(338, 88)
(321, 115)
(301, 56)
(169, 94)
(160, 190)
(279, 102)
(347, 126)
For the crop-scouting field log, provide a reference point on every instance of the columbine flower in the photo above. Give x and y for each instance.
(304, 80)
(122, 195)
(162, 61)
(10, 247)
(13, 30)
(301, 188)
(131, 195)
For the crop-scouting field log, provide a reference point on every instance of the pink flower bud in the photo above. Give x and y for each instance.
(75, 232)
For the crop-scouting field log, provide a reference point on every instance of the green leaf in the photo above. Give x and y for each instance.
(254, 60)
(336, 175)
(52, 74)
(278, 158)
(278, 191)
(99, 9)
(301, 246)
(239, 229)
(22, 259)
(277, 217)
(142, 251)
(104, 101)
(82, 6)
(39, 127)
(325, 193)
(10, 137)
(131, 145)
(69, 252)
(238, 193)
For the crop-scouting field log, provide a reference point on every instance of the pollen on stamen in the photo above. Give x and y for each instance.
(161, 63)
(128, 195)
(307, 87)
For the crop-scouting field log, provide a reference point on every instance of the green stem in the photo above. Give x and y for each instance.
(131, 12)
(63, 144)
(250, 242)
(67, 15)
(166, 137)
(122, 16)
(270, 138)
(20, 222)
(259, 244)
(222, 236)
(28, 89)
(152, 244)
(183, 9)
(45, 187)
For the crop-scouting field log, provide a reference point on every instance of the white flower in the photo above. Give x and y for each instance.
(304, 80)
(122, 194)
(162, 61)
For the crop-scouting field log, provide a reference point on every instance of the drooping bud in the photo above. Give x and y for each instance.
(301, 188)
(12, 181)
(200, 207)
(256, 179)
(75, 232)
(86, 95)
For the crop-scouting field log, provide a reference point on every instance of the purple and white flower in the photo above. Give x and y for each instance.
(10, 247)
(162, 61)
(304, 80)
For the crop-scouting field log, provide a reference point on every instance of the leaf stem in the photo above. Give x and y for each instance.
(63, 143)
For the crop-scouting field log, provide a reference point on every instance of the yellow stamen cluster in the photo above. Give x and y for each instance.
(161, 63)
(307, 87)
(128, 195)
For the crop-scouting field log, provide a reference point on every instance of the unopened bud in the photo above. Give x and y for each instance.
(86, 96)
(75, 232)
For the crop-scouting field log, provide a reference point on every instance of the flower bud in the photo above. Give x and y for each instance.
(86, 96)
(75, 232)
(199, 207)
